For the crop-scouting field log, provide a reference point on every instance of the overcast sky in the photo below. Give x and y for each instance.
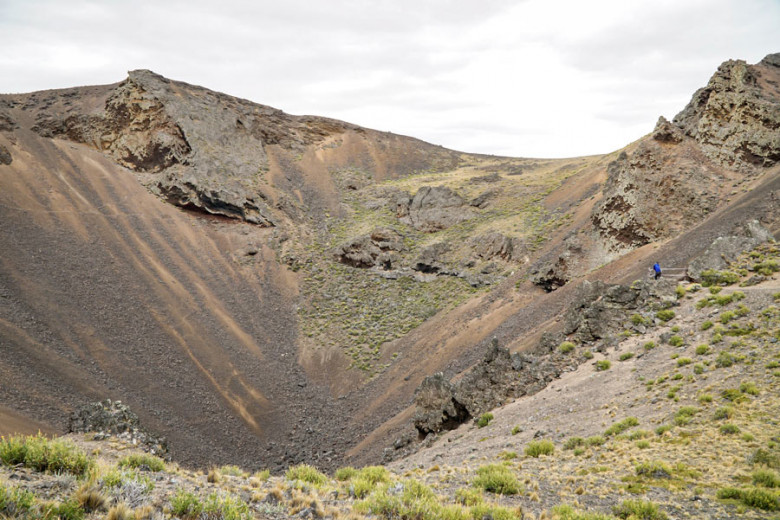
(534, 78)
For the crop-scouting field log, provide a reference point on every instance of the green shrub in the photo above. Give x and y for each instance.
(68, 510)
(766, 478)
(537, 448)
(763, 457)
(650, 345)
(676, 341)
(679, 291)
(595, 440)
(516, 430)
(683, 415)
(760, 499)
(724, 359)
(701, 350)
(748, 387)
(643, 444)
(767, 268)
(374, 474)
(484, 419)
(139, 460)
(653, 469)
(727, 317)
(706, 325)
(729, 493)
(306, 473)
(665, 315)
(566, 512)
(481, 511)
(681, 362)
(626, 356)
(468, 497)
(345, 473)
(15, 502)
(620, 427)
(705, 398)
(226, 507)
(729, 429)
(698, 368)
(41, 454)
(603, 364)
(724, 412)
(566, 347)
(573, 442)
(587, 354)
(638, 510)
(415, 500)
(497, 478)
(711, 277)
(185, 504)
(731, 394)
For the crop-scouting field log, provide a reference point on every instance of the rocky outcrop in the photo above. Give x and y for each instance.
(6, 123)
(378, 249)
(726, 249)
(601, 310)
(233, 202)
(108, 418)
(494, 245)
(736, 117)
(432, 209)
(5, 156)
(553, 272)
(442, 405)
(655, 192)
(431, 259)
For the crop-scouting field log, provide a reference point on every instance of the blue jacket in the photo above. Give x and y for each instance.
(657, 268)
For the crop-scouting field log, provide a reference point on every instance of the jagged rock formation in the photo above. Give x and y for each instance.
(552, 273)
(5, 156)
(380, 248)
(432, 209)
(109, 417)
(494, 245)
(736, 117)
(726, 249)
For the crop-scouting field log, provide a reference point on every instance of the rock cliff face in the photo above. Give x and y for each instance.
(736, 117)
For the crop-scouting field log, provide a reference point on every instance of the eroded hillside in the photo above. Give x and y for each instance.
(267, 289)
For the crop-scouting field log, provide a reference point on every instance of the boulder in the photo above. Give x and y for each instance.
(436, 407)
(494, 245)
(432, 209)
(108, 417)
(377, 249)
(431, 258)
(5, 156)
(724, 250)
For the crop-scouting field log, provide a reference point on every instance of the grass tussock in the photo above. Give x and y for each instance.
(41, 454)
(497, 478)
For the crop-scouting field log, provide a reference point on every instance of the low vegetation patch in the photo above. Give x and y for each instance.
(143, 460)
(620, 427)
(41, 454)
(484, 419)
(497, 478)
(538, 448)
(306, 473)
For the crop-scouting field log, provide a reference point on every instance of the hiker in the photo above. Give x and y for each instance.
(657, 269)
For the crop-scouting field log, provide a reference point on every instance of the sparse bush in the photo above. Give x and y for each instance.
(626, 356)
(763, 457)
(665, 315)
(650, 345)
(468, 497)
(306, 473)
(90, 499)
(643, 444)
(724, 412)
(497, 478)
(729, 429)
(620, 427)
(724, 359)
(185, 504)
(702, 350)
(711, 277)
(727, 317)
(684, 415)
(516, 430)
(663, 429)
(731, 394)
(573, 442)
(142, 461)
(566, 512)
(766, 478)
(707, 325)
(603, 364)
(67, 510)
(595, 440)
(676, 341)
(15, 502)
(748, 387)
(761, 499)
(484, 419)
(705, 398)
(698, 368)
(537, 448)
(680, 291)
(681, 362)
(638, 510)
(41, 454)
(232, 471)
(653, 469)
(638, 319)
(587, 354)
(345, 473)
(566, 347)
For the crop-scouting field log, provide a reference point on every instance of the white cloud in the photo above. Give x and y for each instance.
(531, 78)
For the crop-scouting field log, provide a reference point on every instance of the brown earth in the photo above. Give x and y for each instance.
(156, 249)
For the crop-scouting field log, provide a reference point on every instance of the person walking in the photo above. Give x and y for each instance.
(657, 269)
